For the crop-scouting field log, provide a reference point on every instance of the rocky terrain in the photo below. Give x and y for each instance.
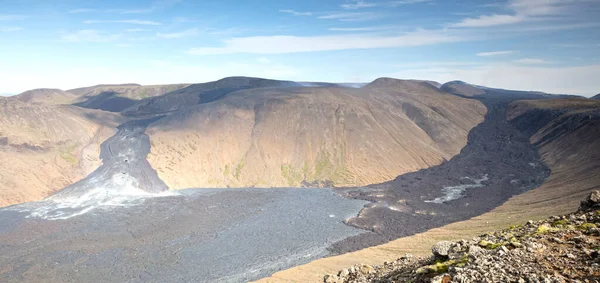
(44, 148)
(309, 136)
(558, 249)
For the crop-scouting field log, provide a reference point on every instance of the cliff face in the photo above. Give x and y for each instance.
(286, 136)
(43, 148)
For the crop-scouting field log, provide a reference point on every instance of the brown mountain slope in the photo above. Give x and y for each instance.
(44, 148)
(115, 98)
(46, 96)
(199, 93)
(291, 136)
(567, 133)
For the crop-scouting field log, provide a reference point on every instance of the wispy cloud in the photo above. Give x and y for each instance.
(531, 61)
(361, 29)
(407, 2)
(180, 34)
(296, 44)
(81, 10)
(8, 17)
(495, 53)
(89, 35)
(10, 29)
(487, 21)
(521, 11)
(133, 22)
(295, 13)
(357, 4)
(351, 17)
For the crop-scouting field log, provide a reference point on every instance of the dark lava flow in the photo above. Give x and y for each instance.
(497, 163)
(124, 166)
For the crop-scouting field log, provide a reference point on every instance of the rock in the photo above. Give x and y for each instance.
(591, 202)
(442, 249)
(445, 278)
(366, 269)
(345, 272)
(476, 251)
(332, 279)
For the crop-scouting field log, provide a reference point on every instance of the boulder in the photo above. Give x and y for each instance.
(591, 202)
(442, 249)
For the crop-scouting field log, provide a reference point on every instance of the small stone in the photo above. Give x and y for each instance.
(442, 249)
(332, 279)
(344, 273)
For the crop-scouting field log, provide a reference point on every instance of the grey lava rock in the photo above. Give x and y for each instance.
(591, 202)
(442, 249)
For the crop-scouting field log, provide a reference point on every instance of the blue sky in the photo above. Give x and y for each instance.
(547, 45)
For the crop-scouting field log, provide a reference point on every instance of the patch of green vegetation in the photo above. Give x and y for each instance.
(292, 176)
(491, 245)
(586, 226)
(545, 228)
(323, 166)
(238, 169)
(226, 170)
(442, 267)
(68, 153)
(562, 222)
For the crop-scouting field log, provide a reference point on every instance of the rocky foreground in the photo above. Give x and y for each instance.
(558, 249)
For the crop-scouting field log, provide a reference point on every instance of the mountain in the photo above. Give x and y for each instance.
(597, 96)
(43, 148)
(462, 88)
(565, 131)
(46, 96)
(200, 93)
(291, 136)
(115, 98)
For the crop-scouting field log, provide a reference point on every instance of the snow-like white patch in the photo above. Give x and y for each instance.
(123, 191)
(456, 192)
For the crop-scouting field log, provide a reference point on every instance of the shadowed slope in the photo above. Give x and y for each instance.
(200, 93)
(311, 136)
(115, 98)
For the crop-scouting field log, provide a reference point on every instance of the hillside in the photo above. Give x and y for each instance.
(566, 136)
(43, 148)
(199, 93)
(597, 96)
(46, 96)
(289, 136)
(115, 98)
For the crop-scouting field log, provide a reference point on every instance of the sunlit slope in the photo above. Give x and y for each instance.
(44, 148)
(289, 136)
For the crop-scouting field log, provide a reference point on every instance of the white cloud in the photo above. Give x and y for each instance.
(407, 2)
(90, 36)
(81, 10)
(295, 13)
(295, 44)
(10, 29)
(359, 29)
(133, 22)
(135, 30)
(531, 61)
(180, 34)
(487, 21)
(495, 53)
(357, 4)
(523, 11)
(351, 17)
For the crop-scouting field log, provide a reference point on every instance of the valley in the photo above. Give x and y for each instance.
(158, 206)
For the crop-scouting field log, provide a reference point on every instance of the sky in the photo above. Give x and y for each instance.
(542, 45)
